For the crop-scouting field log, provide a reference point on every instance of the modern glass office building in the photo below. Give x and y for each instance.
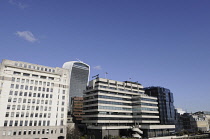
(79, 74)
(165, 103)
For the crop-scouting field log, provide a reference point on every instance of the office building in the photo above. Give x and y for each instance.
(77, 109)
(78, 76)
(165, 104)
(33, 101)
(121, 109)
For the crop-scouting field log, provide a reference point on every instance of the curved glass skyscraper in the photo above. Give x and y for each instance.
(79, 74)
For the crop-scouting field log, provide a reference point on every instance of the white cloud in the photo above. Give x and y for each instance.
(97, 67)
(27, 35)
(18, 3)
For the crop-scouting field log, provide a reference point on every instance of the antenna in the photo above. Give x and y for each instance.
(79, 60)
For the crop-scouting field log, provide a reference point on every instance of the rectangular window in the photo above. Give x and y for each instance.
(5, 123)
(26, 74)
(19, 133)
(21, 123)
(7, 114)
(43, 77)
(16, 123)
(12, 86)
(10, 123)
(16, 73)
(26, 123)
(22, 86)
(23, 81)
(17, 86)
(16, 93)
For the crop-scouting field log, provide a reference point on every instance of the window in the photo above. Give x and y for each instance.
(18, 107)
(21, 93)
(44, 122)
(9, 99)
(5, 123)
(26, 123)
(15, 100)
(8, 107)
(18, 80)
(16, 93)
(40, 123)
(22, 86)
(51, 78)
(10, 123)
(33, 75)
(22, 114)
(17, 86)
(43, 77)
(17, 114)
(11, 92)
(27, 114)
(21, 123)
(7, 114)
(16, 73)
(26, 74)
(29, 94)
(35, 123)
(13, 107)
(23, 107)
(19, 133)
(31, 122)
(23, 81)
(43, 131)
(13, 79)
(12, 86)
(61, 130)
(26, 87)
(24, 132)
(16, 123)
(25, 93)
(12, 114)
(31, 87)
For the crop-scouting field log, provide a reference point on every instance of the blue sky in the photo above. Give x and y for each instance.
(157, 43)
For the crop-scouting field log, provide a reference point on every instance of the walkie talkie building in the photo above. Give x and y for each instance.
(79, 74)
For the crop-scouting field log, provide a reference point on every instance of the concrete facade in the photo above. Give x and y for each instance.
(33, 100)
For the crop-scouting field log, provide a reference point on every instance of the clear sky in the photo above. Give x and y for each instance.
(155, 42)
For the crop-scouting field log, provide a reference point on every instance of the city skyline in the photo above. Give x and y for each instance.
(158, 43)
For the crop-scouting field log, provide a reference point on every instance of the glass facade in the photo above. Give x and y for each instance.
(165, 103)
(79, 74)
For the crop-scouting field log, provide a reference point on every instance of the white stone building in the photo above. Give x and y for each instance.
(33, 101)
